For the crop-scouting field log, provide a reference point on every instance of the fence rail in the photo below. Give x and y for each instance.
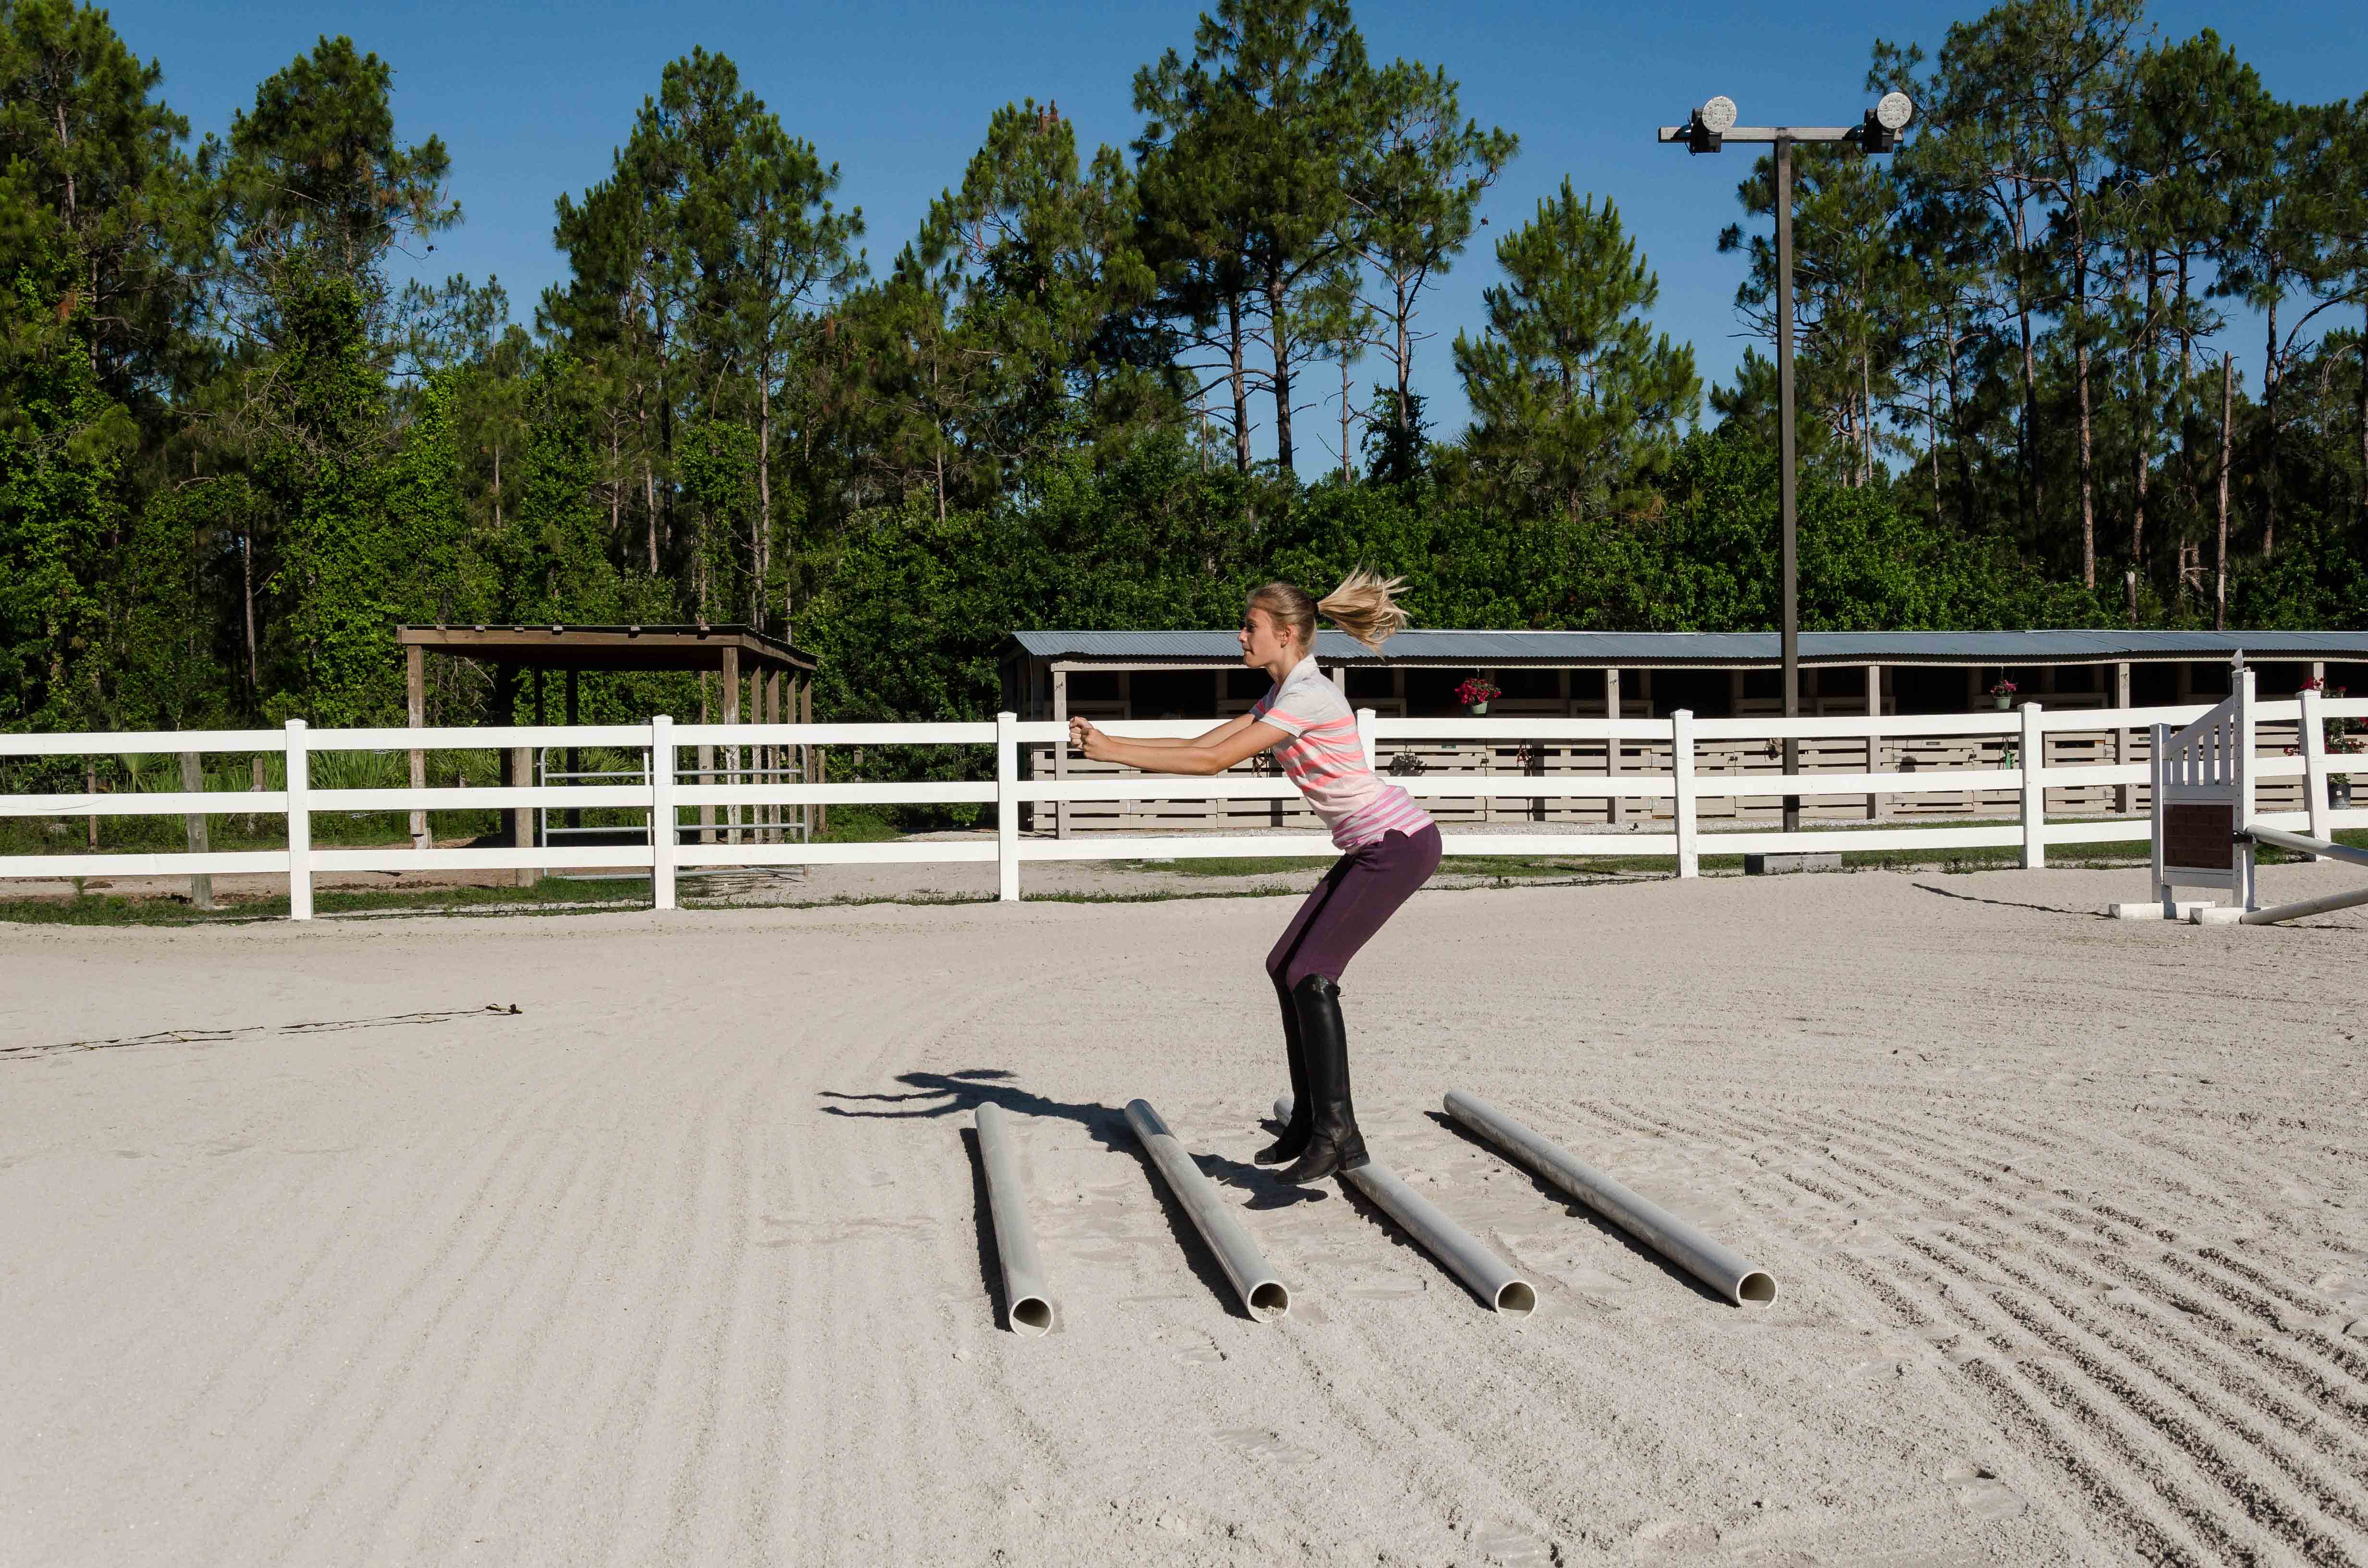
(1672, 776)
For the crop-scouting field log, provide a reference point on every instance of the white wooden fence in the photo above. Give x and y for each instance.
(1683, 787)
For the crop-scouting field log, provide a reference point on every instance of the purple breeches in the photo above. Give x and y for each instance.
(1353, 902)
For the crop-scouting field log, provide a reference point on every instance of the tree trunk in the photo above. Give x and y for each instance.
(1347, 473)
(2033, 498)
(762, 548)
(246, 574)
(2144, 442)
(1277, 324)
(2364, 419)
(1240, 381)
(2227, 417)
(1404, 321)
(2087, 463)
(2269, 381)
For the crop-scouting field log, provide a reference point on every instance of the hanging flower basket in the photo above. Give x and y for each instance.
(1475, 694)
(2002, 696)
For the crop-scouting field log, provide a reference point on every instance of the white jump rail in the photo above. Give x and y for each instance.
(666, 792)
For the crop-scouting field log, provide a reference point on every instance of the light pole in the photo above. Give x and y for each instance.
(1707, 130)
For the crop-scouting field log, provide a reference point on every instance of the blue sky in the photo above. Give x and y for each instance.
(533, 99)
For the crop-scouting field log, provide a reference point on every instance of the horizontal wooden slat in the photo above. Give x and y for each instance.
(926, 792)
(490, 737)
(831, 735)
(220, 864)
(211, 802)
(135, 743)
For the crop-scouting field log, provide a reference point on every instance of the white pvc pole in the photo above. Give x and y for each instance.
(1029, 1306)
(1488, 1275)
(1724, 1270)
(1252, 1277)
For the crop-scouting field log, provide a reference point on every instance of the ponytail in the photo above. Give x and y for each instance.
(1365, 606)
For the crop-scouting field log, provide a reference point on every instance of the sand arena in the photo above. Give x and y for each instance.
(317, 1252)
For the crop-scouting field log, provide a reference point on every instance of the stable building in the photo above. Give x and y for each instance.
(1198, 675)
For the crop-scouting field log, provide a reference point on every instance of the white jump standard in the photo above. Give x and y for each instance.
(1253, 1279)
(1490, 1279)
(1025, 1299)
(2206, 822)
(1724, 1270)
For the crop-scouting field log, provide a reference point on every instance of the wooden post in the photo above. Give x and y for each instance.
(1874, 741)
(706, 761)
(575, 753)
(818, 823)
(90, 787)
(414, 688)
(1061, 749)
(2313, 736)
(193, 827)
(1006, 807)
(768, 757)
(732, 753)
(2124, 795)
(2033, 762)
(1611, 742)
(1681, 764)
(522, 817)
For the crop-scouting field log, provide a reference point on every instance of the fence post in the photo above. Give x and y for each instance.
(2314, 765)
(1365, 717)
(663, 835)
(300, 823)
(1682, 763)
(2157, 765)
(1006, 807)
(193, 831)
(2033, 763)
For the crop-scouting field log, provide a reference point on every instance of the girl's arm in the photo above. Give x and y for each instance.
(1080, 728)
(1213, 753)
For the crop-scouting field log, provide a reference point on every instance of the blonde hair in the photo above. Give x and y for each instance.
(1364, 606)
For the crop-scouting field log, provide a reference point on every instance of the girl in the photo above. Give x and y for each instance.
(1390, 845)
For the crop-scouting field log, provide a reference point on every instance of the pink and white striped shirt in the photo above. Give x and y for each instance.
(1325, 759)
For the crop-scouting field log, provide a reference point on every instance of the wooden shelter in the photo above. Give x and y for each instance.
(762, 679)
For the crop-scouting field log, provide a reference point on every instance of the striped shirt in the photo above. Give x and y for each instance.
(1325, 759)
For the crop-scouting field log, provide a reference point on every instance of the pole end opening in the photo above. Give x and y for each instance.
(1031, 1315)
(1269, 1298)
(1515, 1299)
(1756, 1286)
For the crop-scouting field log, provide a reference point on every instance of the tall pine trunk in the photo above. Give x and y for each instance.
(1278, 322)
(2270, 383)
(1239, 380)
(2080, 380)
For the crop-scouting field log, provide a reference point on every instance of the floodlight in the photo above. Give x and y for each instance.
(1717, 116)
(1893, 113)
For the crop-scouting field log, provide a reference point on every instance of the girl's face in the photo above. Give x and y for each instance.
(1264, 644)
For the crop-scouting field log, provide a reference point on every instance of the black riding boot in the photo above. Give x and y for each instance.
(1293, 1141)
(1333, 1143)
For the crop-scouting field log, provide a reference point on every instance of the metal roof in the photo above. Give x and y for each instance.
(652, 647)
(1662, 650)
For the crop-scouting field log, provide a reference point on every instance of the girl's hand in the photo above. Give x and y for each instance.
(1082, 734)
